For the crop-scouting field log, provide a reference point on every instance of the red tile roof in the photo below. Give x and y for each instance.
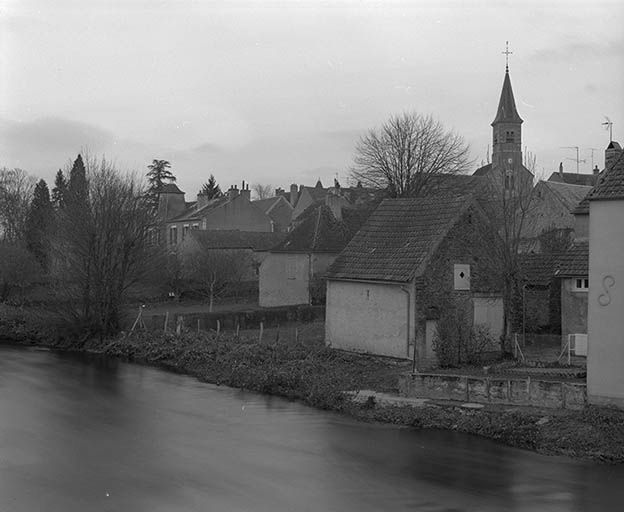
(574, 262)
(398, 238)
(611, 182)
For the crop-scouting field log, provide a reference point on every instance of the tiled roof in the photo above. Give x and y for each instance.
(483, 170)
(538, 269)
(573, 178)
(232, 239)
(266, 204)
(319, 231)
(569, 195)
(574, 262)
(611, 182)
(454, 184)
(398, 238)
(169, 188)
(195, 213)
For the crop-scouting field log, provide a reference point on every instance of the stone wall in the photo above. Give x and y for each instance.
(495, 390)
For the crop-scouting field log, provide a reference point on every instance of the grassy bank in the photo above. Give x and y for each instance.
(306, 370)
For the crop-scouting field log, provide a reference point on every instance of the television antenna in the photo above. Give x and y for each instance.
(592, 155)
(608, 124)
(577, 159)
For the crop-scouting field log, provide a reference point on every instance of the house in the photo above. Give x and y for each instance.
(409, 259)
(278, 209)
(574, 178)
(549, 221)
(293, 272)
(232, 211)
(573, 273)
(255, 244)
(605, 320)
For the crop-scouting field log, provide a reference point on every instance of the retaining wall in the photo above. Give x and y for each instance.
(495, 390)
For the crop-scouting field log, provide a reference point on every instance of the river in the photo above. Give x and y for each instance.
(84, 433)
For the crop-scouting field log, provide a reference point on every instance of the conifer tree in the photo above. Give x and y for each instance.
(211, 189)
(59, 191)
(39, 223)
(158, 175)
(77, 190)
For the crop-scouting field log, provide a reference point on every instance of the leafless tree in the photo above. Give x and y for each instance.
(16, 190)
(212, 270)
(262, 191)
(18, 269)
(101, 245)
(405, 152)
(508, 205)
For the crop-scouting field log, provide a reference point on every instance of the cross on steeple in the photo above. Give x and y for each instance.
(507, 53)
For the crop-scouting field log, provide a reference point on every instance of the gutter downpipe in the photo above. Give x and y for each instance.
(407, 291)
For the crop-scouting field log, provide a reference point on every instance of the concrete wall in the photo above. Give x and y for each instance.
(494, 390)
(367, 317)
(605, 351)
(285, 279)
(573, 310)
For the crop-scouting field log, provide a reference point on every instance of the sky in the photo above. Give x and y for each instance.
(279, 92)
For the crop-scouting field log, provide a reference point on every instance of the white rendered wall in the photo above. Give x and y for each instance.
(605, 325)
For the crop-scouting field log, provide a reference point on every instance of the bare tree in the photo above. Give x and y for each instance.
(18, 269)
(212, 270)
(262, 191)
(406, 152)
(16, 190)
(102, 245)
(508, 205)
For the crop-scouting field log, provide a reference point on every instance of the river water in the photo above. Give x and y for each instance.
(84, 433)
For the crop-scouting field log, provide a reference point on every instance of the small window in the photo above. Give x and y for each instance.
(581, 285)
(509, 180)
(185, 231)
(195, 226)
(173, 235)
(509, 136)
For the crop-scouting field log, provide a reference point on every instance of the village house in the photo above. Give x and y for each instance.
(575, 178)
(232, 211)
(279, 210)
(605, 322)
(411, 258)
(293, 273)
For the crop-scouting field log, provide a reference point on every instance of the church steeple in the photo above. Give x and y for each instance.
(507, 131)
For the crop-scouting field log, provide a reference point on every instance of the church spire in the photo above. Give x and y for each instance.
(507, 112)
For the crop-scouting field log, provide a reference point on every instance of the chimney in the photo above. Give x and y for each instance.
(232, 192)
(612, 153)
(202, 200)
(335, 203)
(279, 191)
(245, 192)
(561, 169)
(294, 195)
(596, 171)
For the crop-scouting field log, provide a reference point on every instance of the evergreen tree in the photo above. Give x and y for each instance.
(77, 190)
(158, 174)
(211, 189)
(39, 223)
(59, 192)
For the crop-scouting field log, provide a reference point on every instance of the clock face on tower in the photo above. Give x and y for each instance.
(510, 160)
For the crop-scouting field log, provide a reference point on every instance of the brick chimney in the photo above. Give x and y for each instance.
(294, 195)
(596, 171)
(612, 153)
(561, 169)
(233, 192)
(245, 192)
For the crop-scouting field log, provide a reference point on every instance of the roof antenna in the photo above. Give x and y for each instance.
(608, 126)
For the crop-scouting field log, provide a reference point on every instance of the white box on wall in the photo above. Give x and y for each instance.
(461, 277)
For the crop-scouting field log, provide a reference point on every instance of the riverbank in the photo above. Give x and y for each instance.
(307, 371)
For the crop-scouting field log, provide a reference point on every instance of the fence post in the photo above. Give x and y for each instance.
(237, 329)
(198, 326)
(261, 330)
(218, 327)
(179, 325)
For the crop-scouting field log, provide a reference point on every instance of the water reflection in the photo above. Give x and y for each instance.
(91, 433)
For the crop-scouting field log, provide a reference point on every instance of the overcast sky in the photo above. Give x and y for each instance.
(279, 92)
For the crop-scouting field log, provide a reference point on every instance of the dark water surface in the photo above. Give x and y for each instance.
(93, 434)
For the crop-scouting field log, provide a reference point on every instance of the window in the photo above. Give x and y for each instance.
(185, 231)
(509, 180)
(195, 226)
(173, 235)
(509, 136)
(580, 285)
